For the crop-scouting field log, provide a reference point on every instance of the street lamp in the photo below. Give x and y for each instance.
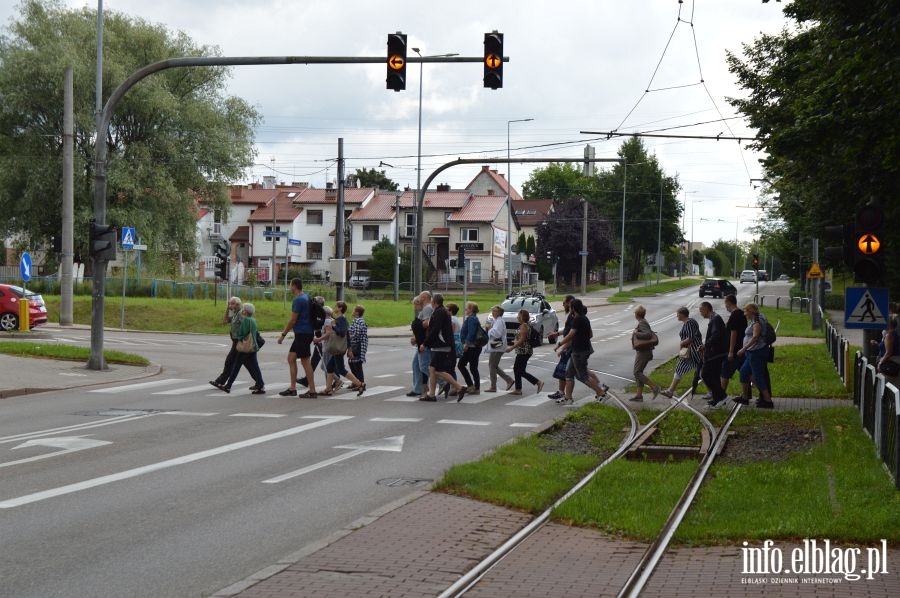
(509, 207)
(417, 275)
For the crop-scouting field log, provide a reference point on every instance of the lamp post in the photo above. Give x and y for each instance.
(417, 275)
(509, 206)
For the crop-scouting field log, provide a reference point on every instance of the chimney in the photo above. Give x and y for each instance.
(329, 185)
(268, 182)
(443, 187)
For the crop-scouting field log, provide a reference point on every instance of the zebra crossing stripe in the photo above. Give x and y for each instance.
(127, 387)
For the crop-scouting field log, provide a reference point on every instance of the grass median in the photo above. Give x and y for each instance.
(66, 352)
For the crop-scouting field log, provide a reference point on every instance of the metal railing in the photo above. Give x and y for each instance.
(878, 402)
(801, 302)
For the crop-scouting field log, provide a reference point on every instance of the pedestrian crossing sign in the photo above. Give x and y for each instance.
(866, 307)
(127, 237)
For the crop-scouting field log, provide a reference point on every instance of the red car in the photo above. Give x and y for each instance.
(10, 296)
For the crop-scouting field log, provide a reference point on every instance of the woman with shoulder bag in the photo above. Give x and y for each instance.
(523, 350)
(334, 343)
(643, 354)
(495, 348)
(246, 348)
(689, 349)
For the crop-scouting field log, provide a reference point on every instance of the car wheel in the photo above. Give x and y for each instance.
(9, 322)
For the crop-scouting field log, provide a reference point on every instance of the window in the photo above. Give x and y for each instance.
(431, 249)
(410, 229)
(370, 232)
(447, 217)
(268, 232)
(314, 217)
(313, 251)
(469, 234)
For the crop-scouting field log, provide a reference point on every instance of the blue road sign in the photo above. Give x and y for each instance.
(25, 267)
(294, 242)
(866, 307)
(128, 237)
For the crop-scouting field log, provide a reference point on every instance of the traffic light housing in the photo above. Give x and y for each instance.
(102, 241)
(756, 261)
(222, 251)
(868, 263)
(836, 255)
(396, 61)
(493, 60)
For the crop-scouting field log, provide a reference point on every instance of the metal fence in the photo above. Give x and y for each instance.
(878, 402)
(839, 349)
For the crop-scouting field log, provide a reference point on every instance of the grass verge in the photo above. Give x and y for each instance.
(54, 351)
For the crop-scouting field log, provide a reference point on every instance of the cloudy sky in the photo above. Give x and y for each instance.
(575, 65)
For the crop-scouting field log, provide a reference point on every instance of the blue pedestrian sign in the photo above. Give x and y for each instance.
(25, 267)
(128, 237)
(866, 308)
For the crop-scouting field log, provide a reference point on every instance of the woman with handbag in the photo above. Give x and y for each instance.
(334, 343)
(522, 347)
(247, 345)
(642, 341)
(495, 348)
(688, 349)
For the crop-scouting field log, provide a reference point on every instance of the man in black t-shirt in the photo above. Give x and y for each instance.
(737, 324)
(578, 342)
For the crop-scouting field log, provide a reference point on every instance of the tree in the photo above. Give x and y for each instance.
(558, 182)
(381, 266)
(372, 178)
(561, 234)
(174, 141)
(825, 100)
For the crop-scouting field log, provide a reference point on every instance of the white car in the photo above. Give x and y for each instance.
(748, 276)
(541, 315)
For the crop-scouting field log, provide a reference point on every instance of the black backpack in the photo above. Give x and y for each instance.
(481, 337)
(769, 335)
(534, 336)
(316, 315)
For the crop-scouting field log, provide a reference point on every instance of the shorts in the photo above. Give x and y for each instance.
(730, 366)
(302, 344)
(559, 372)
(443, 361)
(577, 368)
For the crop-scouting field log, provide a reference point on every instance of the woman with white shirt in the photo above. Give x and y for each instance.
(495, 348)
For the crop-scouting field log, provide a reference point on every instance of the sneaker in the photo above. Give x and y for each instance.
(666, 393)
(540, 386)
(223, 388)
(470, 390)
(214, 383)
(714, 403)
(254, 387)
(740, 400)
(555, 395)
(564, 401)
(310, 395)
(258, 391)
(288, 392)
(637, 399)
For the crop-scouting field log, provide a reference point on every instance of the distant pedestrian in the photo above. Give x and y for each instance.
(247, 334)
(559, 372)
(470, 350)
(756, 362)
(301, 324)
(337, 334)
(232, 317)
(524, 351)
(578, 343)
(642, 355)
(737, 323)
(689, 349)
(714, 351)
(439, 340)
(359, 345)
(495, 349)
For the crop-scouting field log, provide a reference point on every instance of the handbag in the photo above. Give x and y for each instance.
(336, 345)
(684, 352)
(245, 345)
(643, 344)
(889, 368)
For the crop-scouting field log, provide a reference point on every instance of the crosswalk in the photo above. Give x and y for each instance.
(182, 387)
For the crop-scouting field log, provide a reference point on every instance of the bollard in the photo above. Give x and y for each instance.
(24, 315)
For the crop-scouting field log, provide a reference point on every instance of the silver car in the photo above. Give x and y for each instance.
(541, 315)
(748, 276)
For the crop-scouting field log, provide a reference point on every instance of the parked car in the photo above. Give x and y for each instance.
(360, 280)
(10, 297)
(762, 275)
(784, 277)
(717, 287)
(748, 276)
(542, 316)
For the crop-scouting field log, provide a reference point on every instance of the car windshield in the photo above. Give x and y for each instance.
(517, 304)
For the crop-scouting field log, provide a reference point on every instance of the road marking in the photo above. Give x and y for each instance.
(392, 444)
(69, 444)
(463, 422)
(184, 391)
(139, 471)
(195, 413)
(74, 427)
(403, 399)
(257, 415)
(523, 425)
(142, 385)
(396, 419)
(532, 401)
(476, 399)
(386, 375)
(72, 374)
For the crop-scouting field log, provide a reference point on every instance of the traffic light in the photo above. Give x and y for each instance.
(222, 259)
(756, 261)
(396, 61)
(102, 239)
(868, 263)
(836, 255)
(57, 244)
(493, 60)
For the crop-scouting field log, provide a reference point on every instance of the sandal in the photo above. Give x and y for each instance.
(309, 395)
(361, 389)
(325, 393)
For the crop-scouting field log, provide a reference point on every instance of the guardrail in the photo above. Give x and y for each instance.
(839, 349)
(878, 402)
(802, 302)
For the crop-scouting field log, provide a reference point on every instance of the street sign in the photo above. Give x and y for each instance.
(294, 241)
(25, 267)
(868, 244)
(278, 234)
(583, 253)
(128, 237)
(140, 247)
(470, 246)
(815, 271)
(866, 307)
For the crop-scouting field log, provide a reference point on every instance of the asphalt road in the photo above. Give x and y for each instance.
(168, 487)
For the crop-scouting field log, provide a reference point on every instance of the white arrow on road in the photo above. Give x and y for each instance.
(68, 444)
(392, 444)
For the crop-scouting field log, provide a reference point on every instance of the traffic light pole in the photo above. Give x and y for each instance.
(96, 360)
